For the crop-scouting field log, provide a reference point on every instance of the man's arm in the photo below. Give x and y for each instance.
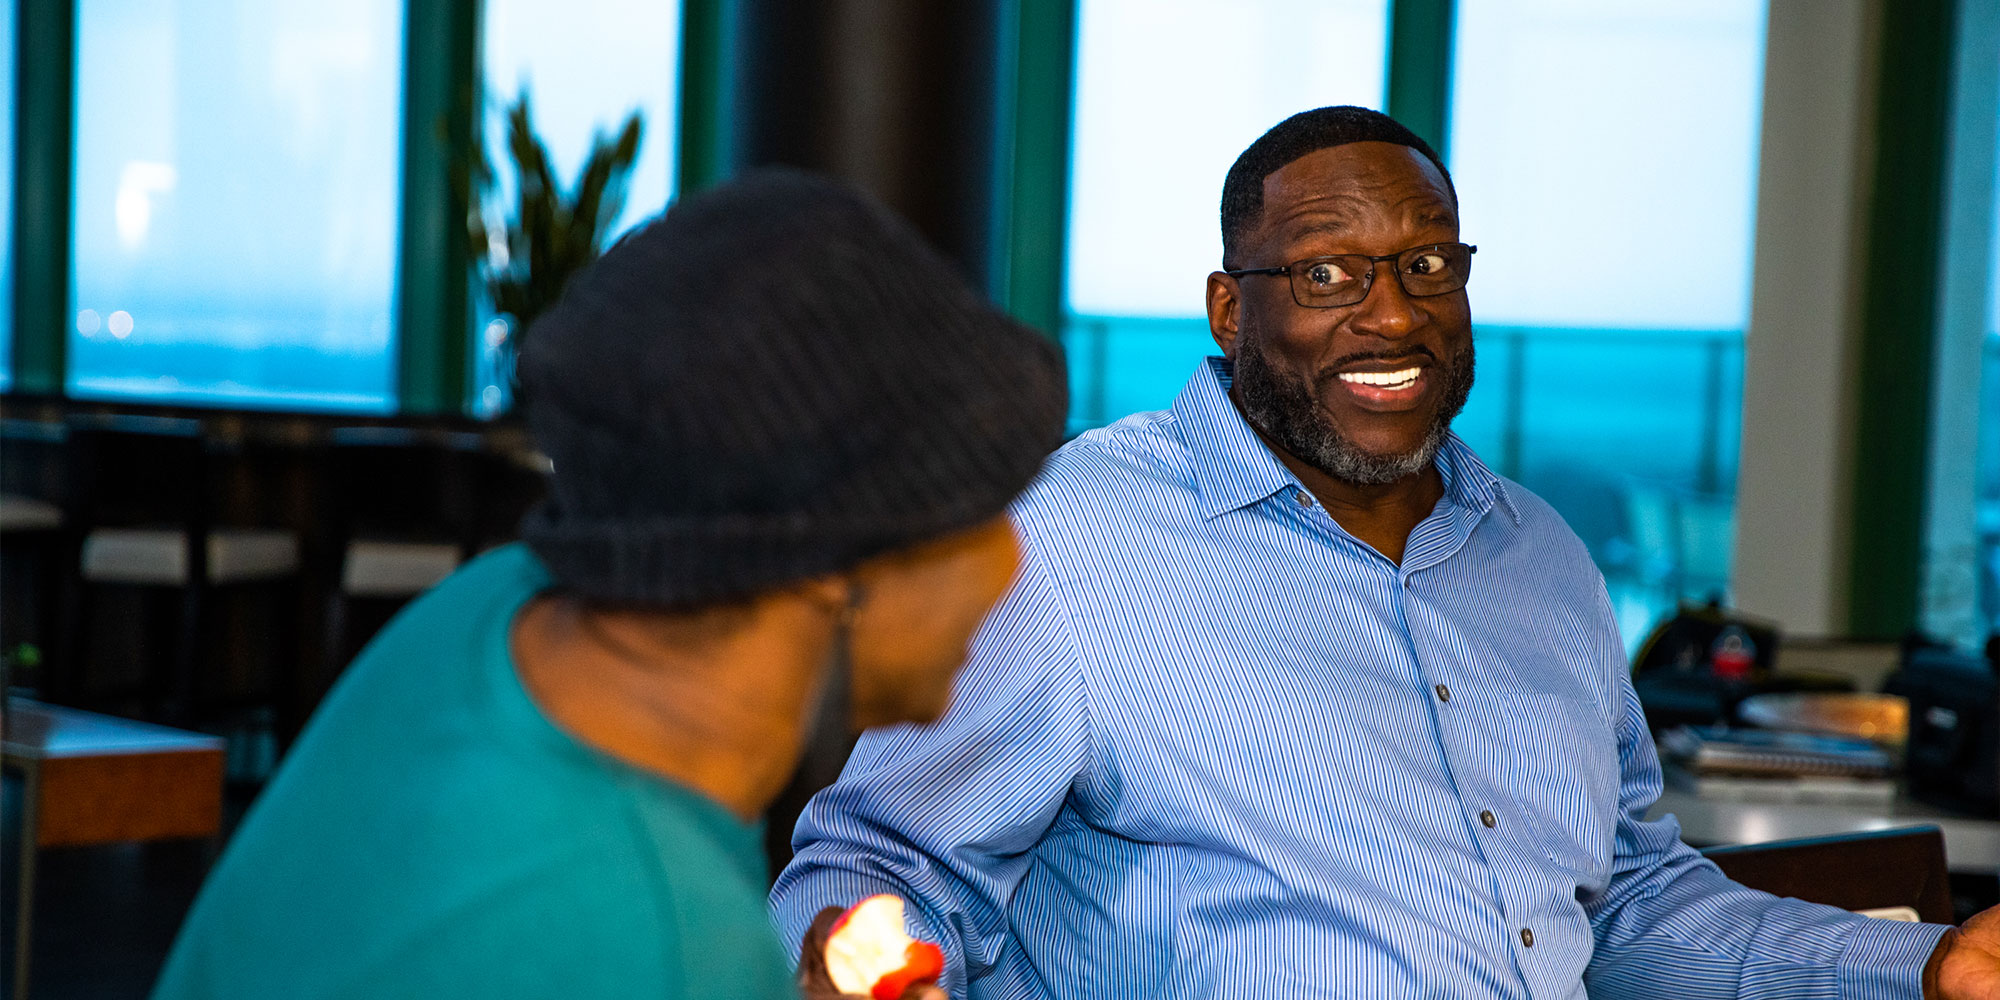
(946, 815)
(1670, 925)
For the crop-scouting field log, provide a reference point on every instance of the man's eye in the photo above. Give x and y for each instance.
(1430, 263)
(1324, 273)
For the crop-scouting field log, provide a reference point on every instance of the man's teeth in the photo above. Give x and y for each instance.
(1384, 380)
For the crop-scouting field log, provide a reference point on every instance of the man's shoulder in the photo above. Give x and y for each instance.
(1140, 455)
(1541, 528)
(594, 904)
(425, 922)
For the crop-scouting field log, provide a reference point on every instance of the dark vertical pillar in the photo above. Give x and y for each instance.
(1031, 179)
(706, 90)
(45, 135)
(440, 87)
(1422, 36)
(1899, 321)
(895, 96)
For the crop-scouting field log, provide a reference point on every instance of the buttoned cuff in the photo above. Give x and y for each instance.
(1884, 960)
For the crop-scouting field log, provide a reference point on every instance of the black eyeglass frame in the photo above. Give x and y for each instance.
(1297, 267)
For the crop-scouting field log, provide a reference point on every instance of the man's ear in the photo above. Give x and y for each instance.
(835, 594)
(1223, 292)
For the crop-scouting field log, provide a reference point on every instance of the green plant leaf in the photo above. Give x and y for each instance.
(549, 236)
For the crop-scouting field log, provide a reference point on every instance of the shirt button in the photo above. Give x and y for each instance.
(1444, 693)
(1527, 938)
(1486, 817)
(1303, 498)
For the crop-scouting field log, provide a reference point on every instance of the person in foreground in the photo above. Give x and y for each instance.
(1293, 697)
(784, 435)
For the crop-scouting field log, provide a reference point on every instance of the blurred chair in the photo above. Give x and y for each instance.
(403, 512)
(1874, 871)
(32, 543)
(141, 502)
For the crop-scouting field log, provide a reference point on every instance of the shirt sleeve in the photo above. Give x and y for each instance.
(947, 815)
(1671, 925)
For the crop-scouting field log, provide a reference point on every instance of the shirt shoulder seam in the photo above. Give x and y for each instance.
(1093, 757)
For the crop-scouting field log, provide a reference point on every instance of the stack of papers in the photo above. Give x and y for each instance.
(1719, 750)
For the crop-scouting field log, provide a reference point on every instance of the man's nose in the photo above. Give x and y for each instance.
(1386, 311)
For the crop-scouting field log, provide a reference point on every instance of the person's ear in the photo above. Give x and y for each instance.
(835, 594)
(1224, 297)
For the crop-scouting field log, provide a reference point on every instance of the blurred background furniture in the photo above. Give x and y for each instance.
(1971, 846)
(33, 543)
(143, 497)
(95, 779)
(1876, 870)
(400, 507)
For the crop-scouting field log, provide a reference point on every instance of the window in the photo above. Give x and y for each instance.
(1145, 181)
(237, 181)
(586, 65)
(1606, 161)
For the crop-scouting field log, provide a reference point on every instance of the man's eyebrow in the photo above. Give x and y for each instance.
(1336, 223)
(1322, 225)
(1437, 216)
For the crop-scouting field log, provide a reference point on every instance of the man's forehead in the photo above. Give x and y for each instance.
(1339, 185)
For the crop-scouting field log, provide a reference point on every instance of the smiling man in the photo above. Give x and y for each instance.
(1293, 697)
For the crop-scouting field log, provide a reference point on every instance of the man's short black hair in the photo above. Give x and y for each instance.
(1302, 133)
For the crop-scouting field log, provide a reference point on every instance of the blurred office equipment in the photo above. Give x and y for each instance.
(1697, 666)
(1953, 752)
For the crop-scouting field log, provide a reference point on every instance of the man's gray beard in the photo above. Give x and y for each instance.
(1284, 407)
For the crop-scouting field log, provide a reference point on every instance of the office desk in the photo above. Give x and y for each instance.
(1971, 846)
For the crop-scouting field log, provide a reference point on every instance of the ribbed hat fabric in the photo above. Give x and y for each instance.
(775, 380)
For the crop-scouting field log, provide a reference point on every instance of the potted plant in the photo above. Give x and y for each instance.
(527, 250)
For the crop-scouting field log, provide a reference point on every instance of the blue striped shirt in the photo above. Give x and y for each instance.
(1210, 744)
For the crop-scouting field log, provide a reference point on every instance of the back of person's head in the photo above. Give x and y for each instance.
(1301, 134)
(776, 380)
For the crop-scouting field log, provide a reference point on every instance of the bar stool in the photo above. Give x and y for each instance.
(33, 540)
(403, 510)
(141, 502)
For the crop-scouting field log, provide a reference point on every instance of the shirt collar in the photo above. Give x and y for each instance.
(1468, 482)
(1234, 469)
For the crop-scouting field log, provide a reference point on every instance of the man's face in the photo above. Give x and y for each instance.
(1313, 380)
(915, 625)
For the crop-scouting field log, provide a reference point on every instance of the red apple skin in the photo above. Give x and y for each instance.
(923, 962)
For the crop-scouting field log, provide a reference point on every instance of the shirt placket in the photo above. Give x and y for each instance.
(1494, 825)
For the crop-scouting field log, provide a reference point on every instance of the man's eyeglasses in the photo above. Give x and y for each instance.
(1344, 279)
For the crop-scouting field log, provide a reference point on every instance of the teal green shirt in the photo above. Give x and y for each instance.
(432, 834)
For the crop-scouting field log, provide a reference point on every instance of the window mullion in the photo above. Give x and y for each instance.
(45, 129)
(440, 96)
(1038, 70)
(1420, 60)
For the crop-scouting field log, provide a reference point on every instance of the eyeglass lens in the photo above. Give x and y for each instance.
(1323, 282)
